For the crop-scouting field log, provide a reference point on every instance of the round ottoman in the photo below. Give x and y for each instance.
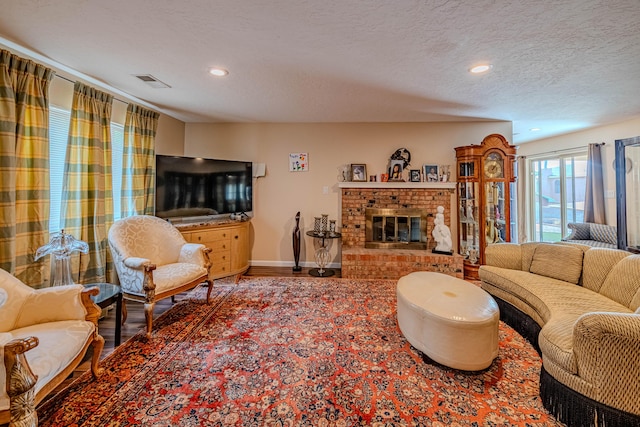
(453, 322)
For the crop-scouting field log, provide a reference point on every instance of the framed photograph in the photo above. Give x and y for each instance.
(414, 175)
(358, 172)
(431, 173)
(395, 170)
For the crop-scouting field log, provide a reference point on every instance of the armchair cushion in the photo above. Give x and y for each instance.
(171, 276)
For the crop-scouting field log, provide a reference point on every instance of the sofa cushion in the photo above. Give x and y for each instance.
(597, 265)
(560, 262)
(622, 285)
(59, 344)
(604, 233)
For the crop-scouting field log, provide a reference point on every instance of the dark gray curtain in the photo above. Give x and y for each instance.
(594, 198)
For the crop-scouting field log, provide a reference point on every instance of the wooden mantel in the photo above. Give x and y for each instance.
(395, 184)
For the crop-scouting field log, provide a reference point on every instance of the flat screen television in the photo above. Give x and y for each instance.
(194, 187)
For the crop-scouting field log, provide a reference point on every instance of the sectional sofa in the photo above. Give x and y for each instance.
(580, 307)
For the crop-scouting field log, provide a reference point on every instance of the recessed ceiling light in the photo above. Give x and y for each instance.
(218, 72)
(480, 68)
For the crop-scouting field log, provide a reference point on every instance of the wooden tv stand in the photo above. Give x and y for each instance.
(229, 243)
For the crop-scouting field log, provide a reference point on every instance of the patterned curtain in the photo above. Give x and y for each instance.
(87, 204)
(24, 165)
(594, 206)
(138, 163)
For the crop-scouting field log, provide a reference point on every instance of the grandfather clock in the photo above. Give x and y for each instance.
(485, 180)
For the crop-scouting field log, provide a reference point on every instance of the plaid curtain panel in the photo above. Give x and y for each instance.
(138, 163)
(24, 166)
(87, 204)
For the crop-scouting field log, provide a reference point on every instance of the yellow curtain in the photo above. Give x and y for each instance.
(87, 200)
(138, 163)
(24, 165)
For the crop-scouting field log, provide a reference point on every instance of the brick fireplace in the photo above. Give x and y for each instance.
(358, 261)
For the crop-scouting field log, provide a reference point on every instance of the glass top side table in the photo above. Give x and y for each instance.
(322, 255)
(108, 295)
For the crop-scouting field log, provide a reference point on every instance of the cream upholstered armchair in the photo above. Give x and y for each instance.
(44, 335)
(154, 262)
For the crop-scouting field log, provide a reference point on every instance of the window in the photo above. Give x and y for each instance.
(558, 185)
(58, 137)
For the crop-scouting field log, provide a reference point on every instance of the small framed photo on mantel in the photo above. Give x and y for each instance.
(395, 170)
(414, 175)
(431, 173)
(358, 172)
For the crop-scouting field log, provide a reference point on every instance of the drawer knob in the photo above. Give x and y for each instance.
(236, 237)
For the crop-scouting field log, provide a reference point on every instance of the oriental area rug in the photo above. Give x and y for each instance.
(296, 352)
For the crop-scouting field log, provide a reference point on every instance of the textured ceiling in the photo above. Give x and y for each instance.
(559, 65)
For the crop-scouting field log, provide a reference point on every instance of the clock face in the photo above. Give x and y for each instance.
(493, 168)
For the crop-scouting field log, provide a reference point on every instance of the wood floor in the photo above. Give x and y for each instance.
(136, 322)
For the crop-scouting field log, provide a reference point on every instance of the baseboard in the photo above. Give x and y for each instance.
(306, 264)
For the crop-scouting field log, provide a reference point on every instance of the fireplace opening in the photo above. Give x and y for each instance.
(403, 228)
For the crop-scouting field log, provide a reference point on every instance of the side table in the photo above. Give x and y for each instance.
(108, 295)
(322, 254)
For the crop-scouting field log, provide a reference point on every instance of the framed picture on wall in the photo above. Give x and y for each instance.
(414, 175)
(431, 173)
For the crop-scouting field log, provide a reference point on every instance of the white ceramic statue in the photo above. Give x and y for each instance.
(441, 232)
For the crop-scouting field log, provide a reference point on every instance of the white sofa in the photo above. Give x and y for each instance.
(44, 335)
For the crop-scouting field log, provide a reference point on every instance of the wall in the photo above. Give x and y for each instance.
(280, 194)
(608, 135)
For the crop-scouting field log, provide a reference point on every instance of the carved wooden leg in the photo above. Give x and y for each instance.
(209, 287)
(98, 345)
(20, 383)
(148, 315)
(124, 311)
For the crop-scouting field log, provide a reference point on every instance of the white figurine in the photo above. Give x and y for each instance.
(441, 232)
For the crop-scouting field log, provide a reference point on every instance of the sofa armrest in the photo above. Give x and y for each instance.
(606, 350)
(504, 255)
(579, 231)
(20, 382)
(136, 263)
(52, 304)
(195, 253)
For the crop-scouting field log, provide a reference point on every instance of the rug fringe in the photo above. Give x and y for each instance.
(577, 410)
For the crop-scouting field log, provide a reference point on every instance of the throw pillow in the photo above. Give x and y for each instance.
(562, 262)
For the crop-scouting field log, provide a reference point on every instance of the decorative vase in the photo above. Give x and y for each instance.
(316, 225)
(325, 221)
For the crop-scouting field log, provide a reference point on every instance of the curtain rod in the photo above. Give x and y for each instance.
(74, 82)
(573, 149)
